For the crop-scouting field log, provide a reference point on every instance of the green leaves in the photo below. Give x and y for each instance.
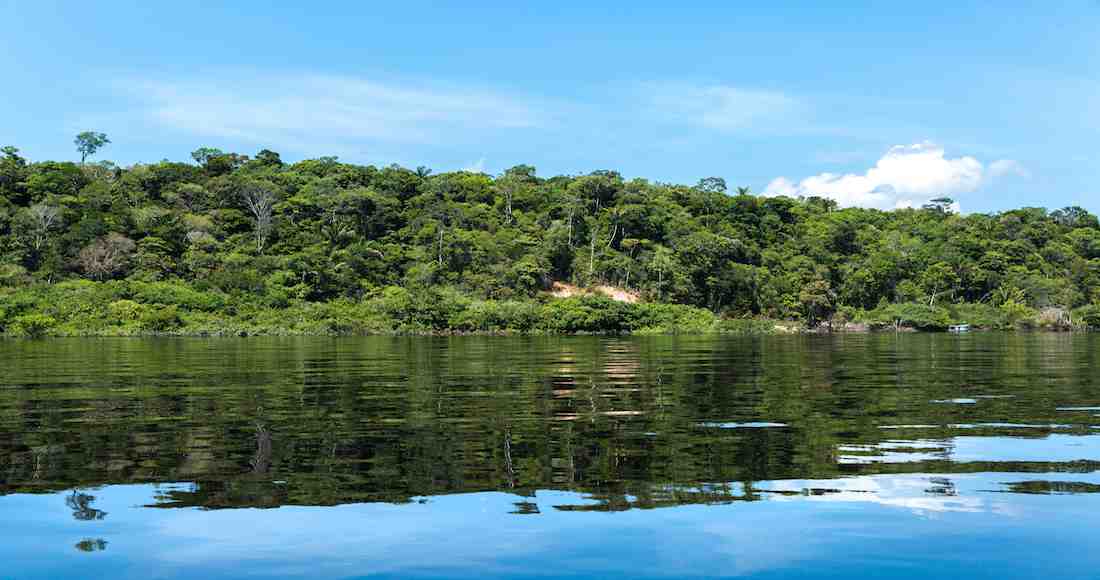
(259, 233)
(89, 142)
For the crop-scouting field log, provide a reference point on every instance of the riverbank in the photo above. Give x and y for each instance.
(131, 308)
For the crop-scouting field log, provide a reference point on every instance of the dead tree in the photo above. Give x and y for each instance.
(43, 219)
(261, 202)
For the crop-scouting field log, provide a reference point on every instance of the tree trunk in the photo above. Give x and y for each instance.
(439, 257)
(592, 255)
(570, 227)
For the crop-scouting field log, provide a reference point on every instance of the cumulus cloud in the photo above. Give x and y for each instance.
(906, 176)
(305, 111)
(722, 107)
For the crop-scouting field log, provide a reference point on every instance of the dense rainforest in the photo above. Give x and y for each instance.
(228, 243)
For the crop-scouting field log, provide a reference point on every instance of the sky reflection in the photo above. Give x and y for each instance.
(970, 525)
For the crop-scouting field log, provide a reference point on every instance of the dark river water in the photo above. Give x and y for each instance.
(860, 456)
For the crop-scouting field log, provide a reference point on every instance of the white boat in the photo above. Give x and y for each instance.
(959, 328)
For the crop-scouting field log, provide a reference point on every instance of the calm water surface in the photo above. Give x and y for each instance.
(870, 456)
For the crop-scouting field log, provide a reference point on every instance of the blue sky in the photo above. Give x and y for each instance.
(996, 104)
(474, 535)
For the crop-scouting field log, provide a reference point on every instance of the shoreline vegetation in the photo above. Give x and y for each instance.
(81, 308)
(232, 245)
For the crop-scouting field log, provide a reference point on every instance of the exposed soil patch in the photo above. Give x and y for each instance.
(563, 290)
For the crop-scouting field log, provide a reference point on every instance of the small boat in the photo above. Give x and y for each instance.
(959, 328)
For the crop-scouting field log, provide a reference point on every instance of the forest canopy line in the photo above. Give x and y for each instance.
(228, 243)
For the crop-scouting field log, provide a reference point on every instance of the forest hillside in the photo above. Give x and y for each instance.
(227, 243)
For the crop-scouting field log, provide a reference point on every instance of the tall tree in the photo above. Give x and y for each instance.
(89, 142)
(260, 201)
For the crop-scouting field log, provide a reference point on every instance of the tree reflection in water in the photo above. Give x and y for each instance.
(91, 545)
(629, 422)
(80, 503)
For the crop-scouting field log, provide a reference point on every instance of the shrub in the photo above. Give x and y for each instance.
(1017, 315)
(32, 325)
(394, 302)
(419, 309)
(1089, 316)
(495, 316)
(13, 275)
(435, 307)
(125, 310)
(176, 293)
(587, 314)
(910, 314)
(977, 315)
(161, 319)
(678, 318)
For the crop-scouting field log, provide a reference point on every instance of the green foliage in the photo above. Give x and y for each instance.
(13, 275)
(587, 314)
(493, 316)
(247, 245)
(419, 310)
(161, 319)
(175, 294)
(1016, 315)
(816, 299)
(1089, 316)
(672, 318)
(599, 314)
(88, 142)
(978, 315)
(31, 325)
(124, 311)
(910, 315)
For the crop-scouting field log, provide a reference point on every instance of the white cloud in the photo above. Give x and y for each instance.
(724, 108)
(906, 176)
(476, 167)
(1007, 167)
(911, 492)
(307, 111)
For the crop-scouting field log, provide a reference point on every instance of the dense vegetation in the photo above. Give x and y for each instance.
(229, 243)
